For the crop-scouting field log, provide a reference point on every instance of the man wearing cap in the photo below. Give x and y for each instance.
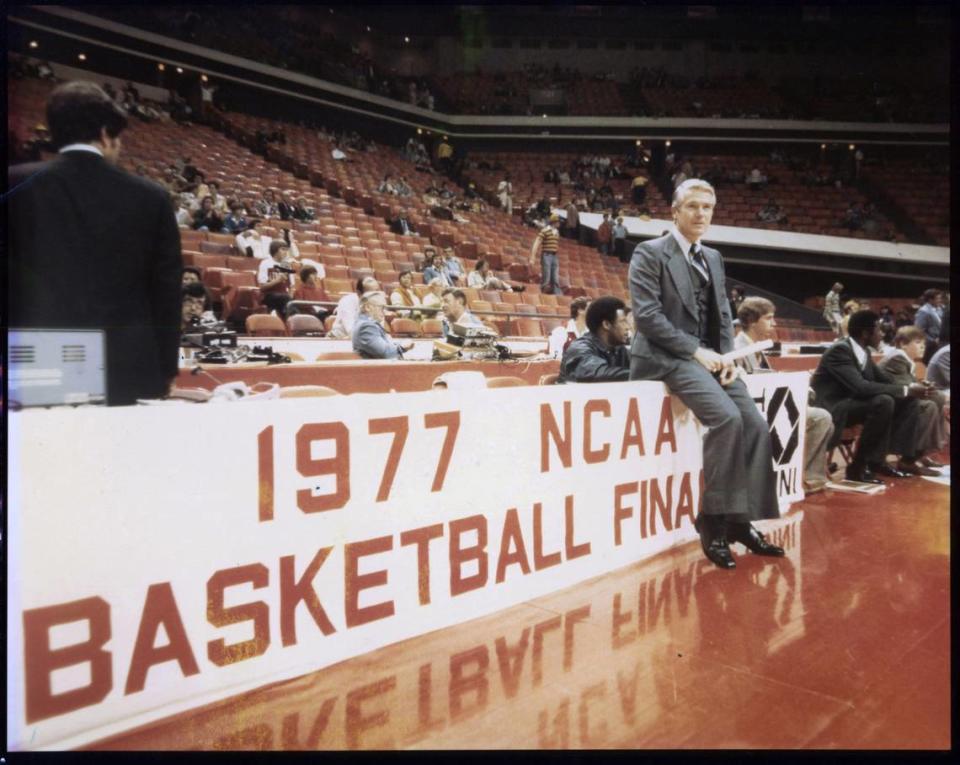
(546, 243)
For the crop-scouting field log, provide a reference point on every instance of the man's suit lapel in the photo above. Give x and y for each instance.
(680, 273)
(716, 280)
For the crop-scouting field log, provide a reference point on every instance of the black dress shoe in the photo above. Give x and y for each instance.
(931, 463)
(861, 475)
(753, 540)
(916, 468)
(714, 544)
(883, 468)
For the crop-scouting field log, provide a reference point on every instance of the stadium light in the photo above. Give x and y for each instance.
(34, 44)
(852, 146)
(823, 146)
(82, 57)
(203, 78)
(161, 67)
(666, 143)
(544, 116)
(419, 131)
(406, 39)
(368, 29)
(179, 70)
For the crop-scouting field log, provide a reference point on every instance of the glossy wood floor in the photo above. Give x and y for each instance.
(845, 643)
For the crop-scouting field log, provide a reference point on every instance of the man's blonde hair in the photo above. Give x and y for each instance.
(688, 187)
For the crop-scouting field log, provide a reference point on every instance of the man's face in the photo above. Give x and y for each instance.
(938, 300)
(875, 337)
(376, 307)
(915, 349)
(189, 277)
(620, 329)
(406, 281)
(452, 307)
(694, 214)
(764, 328)
(191, 307)
(281, 254)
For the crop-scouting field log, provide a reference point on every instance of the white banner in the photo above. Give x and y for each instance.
(166, 557)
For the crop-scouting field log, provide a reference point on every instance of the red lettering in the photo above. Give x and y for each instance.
(591, 456)
(219, 616)
(684, 501)
(356, 723)
(541, 561)
(425, 721)
(460, 584)
(40, 660)
(661, 502)
(450, 421)
(573, 550)
(620, 511)
(421, 538)
(512, 537)
(293, 591)
(291, 725)
(665, 434)
(632, 433)
(399, 426)
(560, 738)
(619, 620)
(159, 608)
(539, 630)
(462, 683)
(338, 465)
(594, 691)
(510, 661)
(265, 474)
(550, 430)
(354, 582)
(643, 509)
(570, 620)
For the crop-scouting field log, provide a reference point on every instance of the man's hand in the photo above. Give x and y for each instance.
(918, 390)
(728, 374)
(406, 346)
(711, 360)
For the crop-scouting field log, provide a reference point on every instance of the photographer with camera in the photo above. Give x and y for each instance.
(274, 276)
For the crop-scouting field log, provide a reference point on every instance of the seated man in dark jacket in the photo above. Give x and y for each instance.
(854, 390)
(601, 354)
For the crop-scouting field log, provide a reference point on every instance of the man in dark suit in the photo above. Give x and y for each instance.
(92, 247)
(855, 391)
(683, 327)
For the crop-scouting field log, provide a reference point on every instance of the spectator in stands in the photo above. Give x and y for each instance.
(434, 296)
(849, 308)
(402, 225)
(853, 217)
(505, 194)
(267, 206)
(286, 206)
(855, 391)
(831, 308)
(755, 179)
(619, 234)
(195, 306)
(571, 224)
(887, 325)
(190, 275)
(930, 319)
(482, 279)
(236, 221)
(455, 311)
(338, 154)
(206, 218)
(349, 306)
(274, 275)
(546, 243)
(303, 213)
(309, 289)
(900, 363)
(252, 243)
(369, 338)
(387, 186)
(404, 294)
(219, 201)
(561, 337)
(453, 266)
(771, 213)
(433, 269)
(182, 212)
(445, 156)
(604, 235)
(601, 354)
(757, 321)
(938, 370)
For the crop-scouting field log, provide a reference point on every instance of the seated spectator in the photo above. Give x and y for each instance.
(303, 213)
(387, 186)
(481, 278)
(561, 337)
(402, 225)
(453, 266)
(601, 354)
(849, 308)
(855, 391)
(369, 337)
(930, 319)
(252, 243)
(206, 218)
(900, 363)
(434, 296)
(455, 311)
(338, 154)
(219, 201)
(195, 307)
(286, 206)
(757, 322)
(309, 289)
(938, 370)
(236, 221)
(434, 268)
(274, 276)
(349, 307)
(190, 275)
(184, 214)
(771, 213)
(404, 295)
(755, 179)
(267, 206)
(853, 217)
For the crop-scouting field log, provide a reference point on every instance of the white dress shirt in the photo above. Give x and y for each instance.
(685, 247)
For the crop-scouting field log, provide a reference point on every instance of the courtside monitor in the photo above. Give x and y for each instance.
(56, 366)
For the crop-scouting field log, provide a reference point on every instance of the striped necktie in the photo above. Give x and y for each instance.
(696, 258)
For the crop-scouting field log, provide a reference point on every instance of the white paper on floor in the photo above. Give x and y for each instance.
(943, 478)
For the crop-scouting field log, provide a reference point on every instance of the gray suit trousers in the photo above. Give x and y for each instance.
(737, 460)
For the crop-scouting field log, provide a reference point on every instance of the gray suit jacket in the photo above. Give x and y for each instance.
(371, 340)
(664, 306)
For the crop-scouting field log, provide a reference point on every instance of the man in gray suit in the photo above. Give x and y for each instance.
(683, 327)
(370, 339)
